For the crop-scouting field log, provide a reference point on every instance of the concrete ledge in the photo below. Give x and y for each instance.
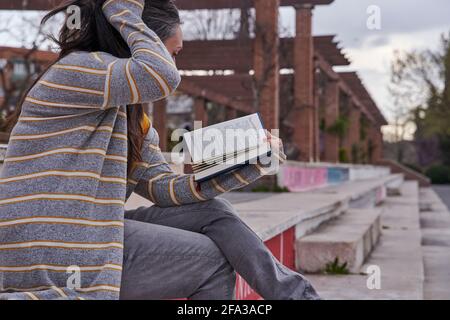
(365, 193)
(349, 238)
(270, 214)
(301, 176)
(437, 272)
(398, 257)
(430, 201)
(435, 224)
(409, 173)
(276, 213)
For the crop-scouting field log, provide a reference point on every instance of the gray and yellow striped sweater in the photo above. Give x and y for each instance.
(64, 181)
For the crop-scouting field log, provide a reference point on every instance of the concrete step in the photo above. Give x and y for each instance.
(279, 219)
(366, 193)
(437, 272)
(349, 238)
(398, 256)
(435, 224)
(429, 201)
(270, 214)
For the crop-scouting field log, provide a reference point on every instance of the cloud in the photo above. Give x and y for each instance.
(349, 18)
(373, 62)
(405, 25)
(378, 41)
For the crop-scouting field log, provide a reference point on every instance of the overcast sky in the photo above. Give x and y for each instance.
(405, 25)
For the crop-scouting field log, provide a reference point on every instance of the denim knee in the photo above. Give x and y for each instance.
(223, 206)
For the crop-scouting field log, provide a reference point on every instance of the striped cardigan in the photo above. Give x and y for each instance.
(64, 181)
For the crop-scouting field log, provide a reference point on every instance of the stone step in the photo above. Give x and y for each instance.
(398, 257)
(435, 224)
(349, 238)
(366, 193)
(270, 214)
(430, 201)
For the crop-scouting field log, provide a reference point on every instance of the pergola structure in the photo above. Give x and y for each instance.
(320, 96)
(181, 4)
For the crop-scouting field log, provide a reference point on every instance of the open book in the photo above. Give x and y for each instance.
(226, 146)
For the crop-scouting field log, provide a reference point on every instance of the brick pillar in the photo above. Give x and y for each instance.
(160, 122)
(230, 113)
(332, 142)
(376, 137)
(364, 140)
(316, 125)
(244, 30)
(354, 133)
(200, 112)
(380, 154)
(265, 61)
(304, 112)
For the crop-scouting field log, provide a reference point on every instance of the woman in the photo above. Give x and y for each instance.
(82, 145)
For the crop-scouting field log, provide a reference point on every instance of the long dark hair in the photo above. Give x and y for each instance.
(97, 34)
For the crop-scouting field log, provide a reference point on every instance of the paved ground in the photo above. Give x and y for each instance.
(398, 256)
(435, 224)
(444, 193)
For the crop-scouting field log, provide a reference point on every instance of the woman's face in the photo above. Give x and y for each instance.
(174, 44)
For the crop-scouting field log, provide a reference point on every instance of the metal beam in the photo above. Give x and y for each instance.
(182, 4)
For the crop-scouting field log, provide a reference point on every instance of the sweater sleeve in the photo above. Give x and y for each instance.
(99, 80)
(150, 74)
(165, 188)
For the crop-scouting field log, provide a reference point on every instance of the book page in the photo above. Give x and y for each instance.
(219, 140)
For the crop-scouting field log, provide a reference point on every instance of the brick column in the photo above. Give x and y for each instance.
(304, 84)
(332, 142)
(244, 29)
(316, 124)
(200, 112)
(230, 113)
(160, 122)
(364, 140)
(354, 132)
(376, 137)
(265, 61)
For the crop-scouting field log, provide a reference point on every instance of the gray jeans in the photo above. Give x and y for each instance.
(193, 251)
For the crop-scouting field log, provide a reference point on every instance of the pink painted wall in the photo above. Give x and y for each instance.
(301, 179)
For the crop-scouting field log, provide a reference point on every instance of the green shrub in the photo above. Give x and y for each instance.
(439, 174)
(261, 189)
(279, 189)
(335, 267)
(276, 189)
(339, 127)
(343, 156)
